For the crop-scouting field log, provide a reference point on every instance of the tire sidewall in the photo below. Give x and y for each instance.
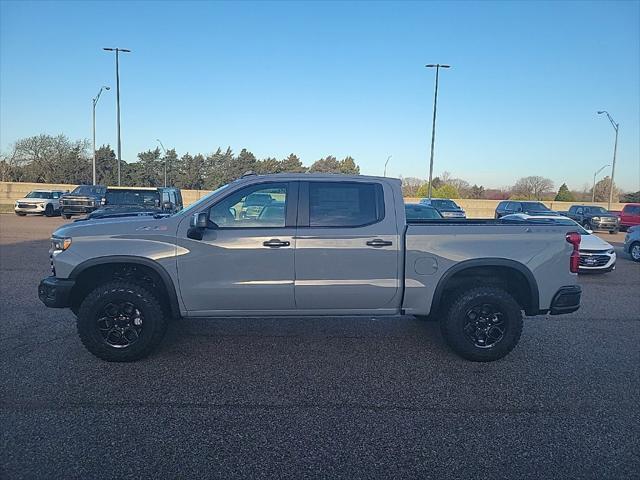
(152, 328)
(633, 245)
(453, 324)
(48, 210)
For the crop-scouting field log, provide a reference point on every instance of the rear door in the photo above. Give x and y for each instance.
(347, 248)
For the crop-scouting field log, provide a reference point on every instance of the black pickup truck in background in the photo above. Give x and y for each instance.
(593, 217)
(138, 201)
(83, 199)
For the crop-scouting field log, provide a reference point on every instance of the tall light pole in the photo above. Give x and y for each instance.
(437, 66)
(615, 148)
(385, 166)
(118, 50)
(95, 102)
(165, 161)
(593, 191)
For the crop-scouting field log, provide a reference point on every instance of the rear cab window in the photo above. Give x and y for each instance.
(344, 204)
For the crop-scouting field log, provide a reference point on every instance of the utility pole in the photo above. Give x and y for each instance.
(118, 50)
(437, 66)
(615, 148)
(95, 102)
(593, 191)
(385, 166)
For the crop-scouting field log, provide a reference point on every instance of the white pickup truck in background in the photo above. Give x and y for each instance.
(315, 245)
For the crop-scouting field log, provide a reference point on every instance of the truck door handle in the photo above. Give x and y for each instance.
(378, 242)
(275, 243)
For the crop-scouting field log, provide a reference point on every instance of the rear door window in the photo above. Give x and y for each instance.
(345, 204)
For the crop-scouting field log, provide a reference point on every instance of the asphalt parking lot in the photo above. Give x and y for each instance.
(317, 398)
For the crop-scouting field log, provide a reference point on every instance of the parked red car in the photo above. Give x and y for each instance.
(630, 216)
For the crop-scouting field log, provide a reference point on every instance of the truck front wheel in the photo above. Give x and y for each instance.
(121, 322)
(482, 324)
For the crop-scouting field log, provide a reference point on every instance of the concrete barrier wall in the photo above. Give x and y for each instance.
(11, 191)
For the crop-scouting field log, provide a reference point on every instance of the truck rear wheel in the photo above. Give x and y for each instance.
(121, 322)
(482, 324)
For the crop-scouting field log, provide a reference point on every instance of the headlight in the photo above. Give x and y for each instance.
(611, 252)
(60, 244)
(595, 219)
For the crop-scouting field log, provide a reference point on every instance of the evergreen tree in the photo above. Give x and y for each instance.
(150, 170)
(564, 195)
(328, 164)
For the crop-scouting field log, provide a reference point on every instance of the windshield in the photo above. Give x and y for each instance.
(534, 207)
(39, 195)
(88, 190)
(421, 212)
(143, 198)
(198, 203)
(444, 204)
(600, 210)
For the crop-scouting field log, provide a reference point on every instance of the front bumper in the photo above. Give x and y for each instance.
(453, 214)
(76, 209)
(566, 300)
(29, 208)
(56, 292)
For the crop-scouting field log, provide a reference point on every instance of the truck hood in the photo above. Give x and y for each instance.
(117, 226)
(33, 200)
(593, 242)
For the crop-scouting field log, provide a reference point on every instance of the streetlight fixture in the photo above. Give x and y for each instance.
(94, 101)
(615, 148)
(118, 50)
(437, 66)
(385, 165)
(165, 161)
(593, 191)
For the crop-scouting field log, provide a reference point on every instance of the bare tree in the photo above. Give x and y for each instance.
(410, 186)
(532, 188)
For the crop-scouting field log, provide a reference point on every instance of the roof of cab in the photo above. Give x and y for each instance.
(316, 176)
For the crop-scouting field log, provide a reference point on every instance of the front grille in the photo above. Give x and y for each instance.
(594, 260)
(84, 203)
(27, 205)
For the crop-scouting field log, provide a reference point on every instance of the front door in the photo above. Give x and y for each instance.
(244, 262)
(347, 248)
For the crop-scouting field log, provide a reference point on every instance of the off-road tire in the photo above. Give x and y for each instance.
(153, 328)
(452, 325)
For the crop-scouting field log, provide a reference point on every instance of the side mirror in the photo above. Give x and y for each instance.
(167, 206)
(200, 220)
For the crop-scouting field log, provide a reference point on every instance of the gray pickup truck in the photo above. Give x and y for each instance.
(319, 245)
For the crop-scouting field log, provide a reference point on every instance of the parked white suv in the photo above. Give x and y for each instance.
(43, 202)
(596, 255)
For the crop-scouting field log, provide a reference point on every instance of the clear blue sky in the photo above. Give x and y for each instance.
(338, 78)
